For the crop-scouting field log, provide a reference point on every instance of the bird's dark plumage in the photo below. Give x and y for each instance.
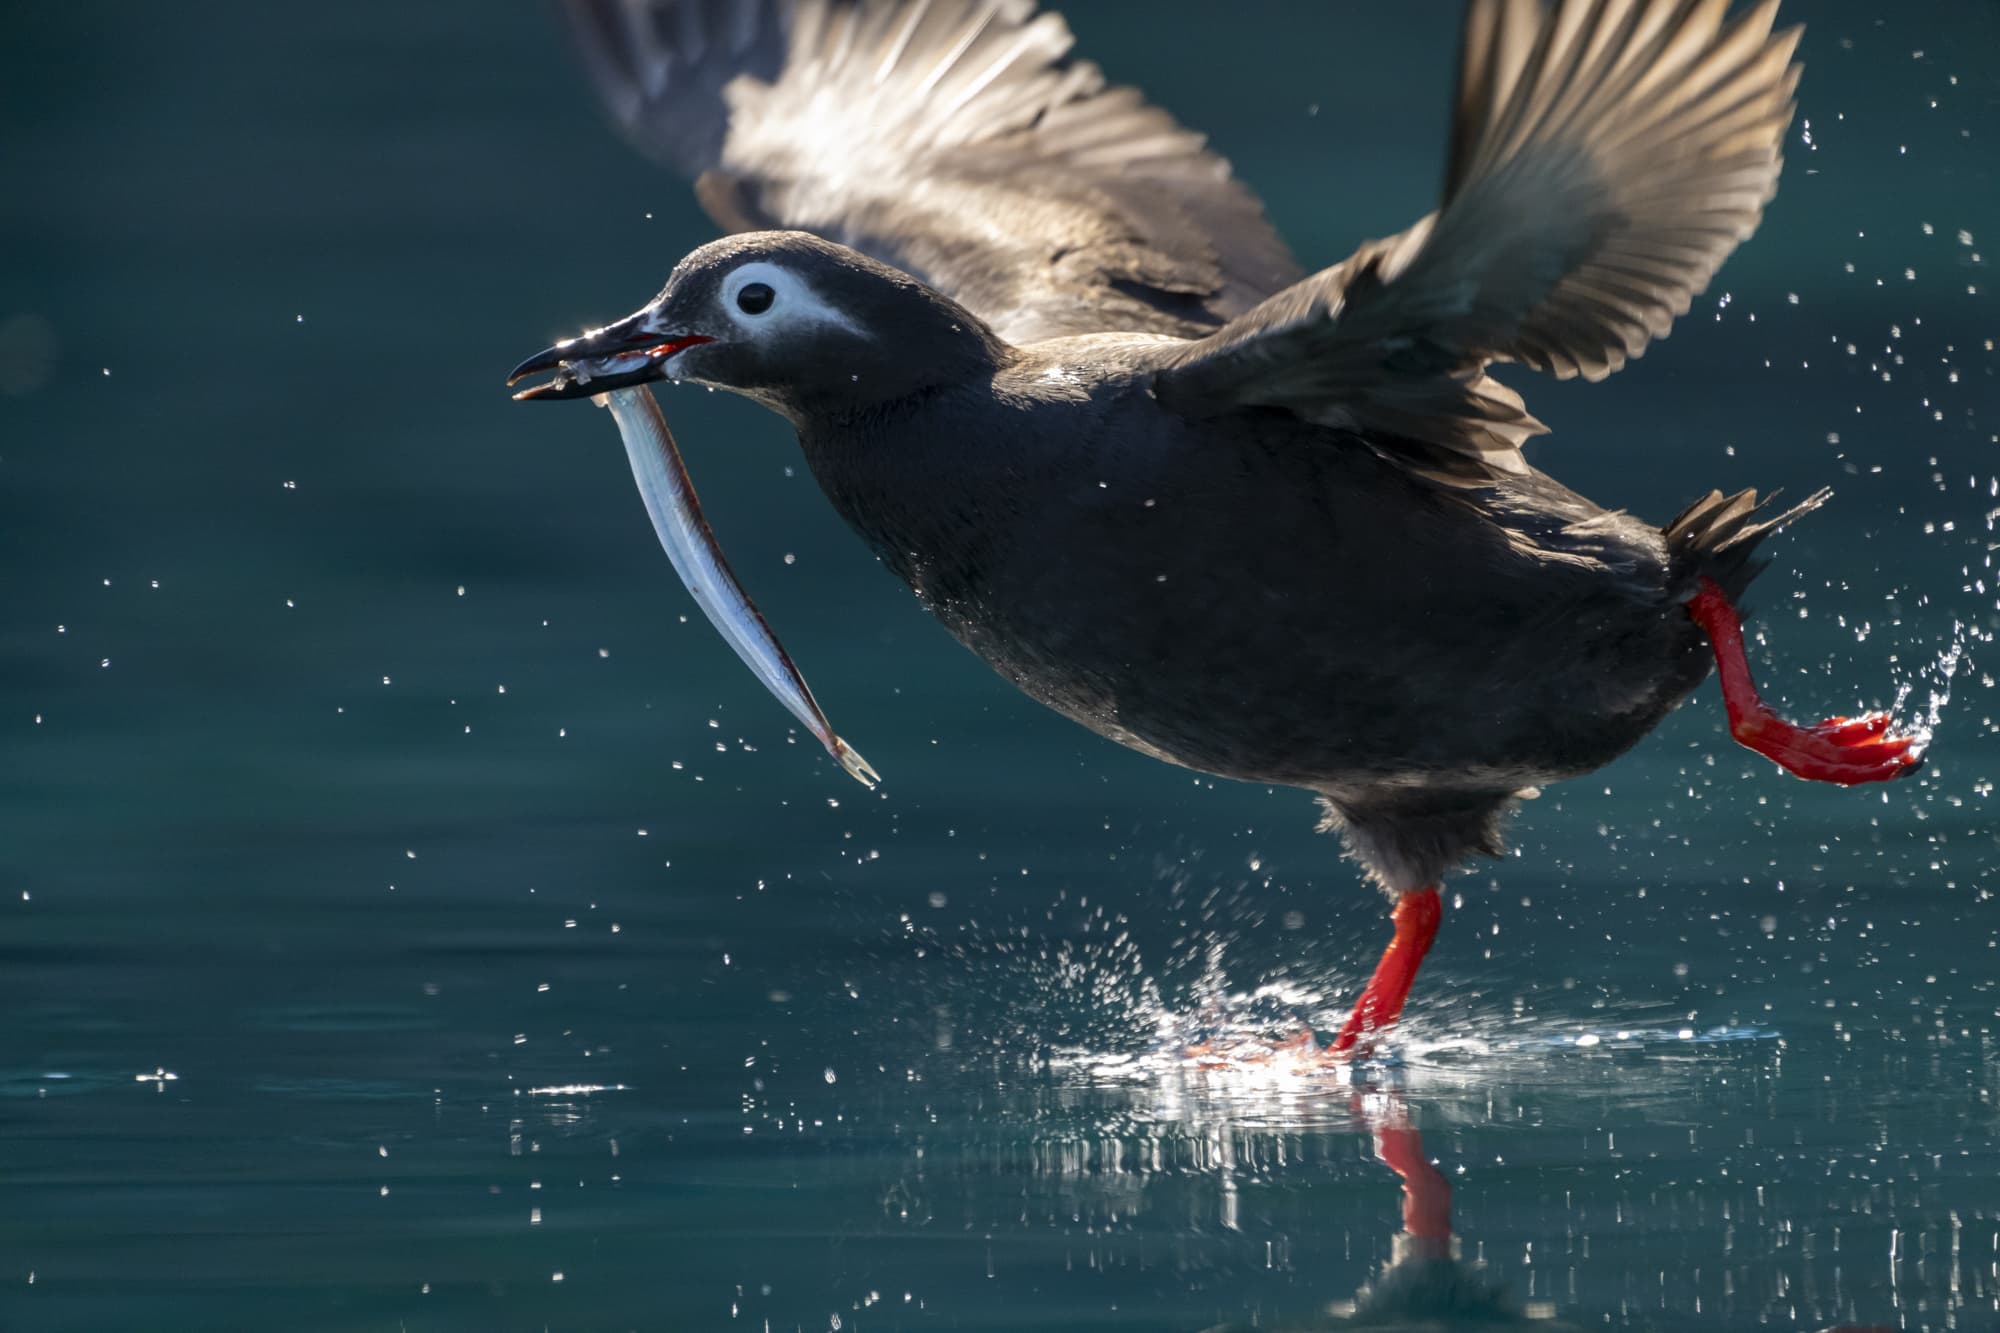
(1270, 526)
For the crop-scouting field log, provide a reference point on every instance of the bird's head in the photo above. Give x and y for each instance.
(800, 324)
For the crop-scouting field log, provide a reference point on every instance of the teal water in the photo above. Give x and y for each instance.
(413, 917)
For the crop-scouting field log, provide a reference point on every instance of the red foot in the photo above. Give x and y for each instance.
(1844, 750)
(1416, 917)
(1301, 1047)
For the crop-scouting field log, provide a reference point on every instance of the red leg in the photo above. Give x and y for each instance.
(1416, 917)
(1843, 750)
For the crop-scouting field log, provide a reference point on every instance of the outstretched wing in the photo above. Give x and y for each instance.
(1607, 156)
(953, 139)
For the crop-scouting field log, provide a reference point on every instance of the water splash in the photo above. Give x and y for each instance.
(1935, 678)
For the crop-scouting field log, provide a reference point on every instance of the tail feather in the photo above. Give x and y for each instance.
(1717, 535)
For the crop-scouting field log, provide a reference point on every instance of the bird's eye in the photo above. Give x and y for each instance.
(755, 298)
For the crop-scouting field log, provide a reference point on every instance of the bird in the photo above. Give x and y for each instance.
(1048, 357)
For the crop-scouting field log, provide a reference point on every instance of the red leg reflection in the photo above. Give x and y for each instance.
(1427, 1230)
(1426, 1193)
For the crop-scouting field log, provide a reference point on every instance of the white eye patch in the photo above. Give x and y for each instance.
(790, 303)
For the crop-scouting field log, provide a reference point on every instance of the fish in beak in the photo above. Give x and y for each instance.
(611, 366)
(631, 351)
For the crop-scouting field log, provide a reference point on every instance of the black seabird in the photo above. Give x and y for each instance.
(1052, 363)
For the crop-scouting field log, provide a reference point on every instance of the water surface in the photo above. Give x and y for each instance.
(414, 917)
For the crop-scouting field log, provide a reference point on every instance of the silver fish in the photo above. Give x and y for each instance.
(677, 518)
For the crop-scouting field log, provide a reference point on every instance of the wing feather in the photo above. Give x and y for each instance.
(1606, 157)
(954, 139)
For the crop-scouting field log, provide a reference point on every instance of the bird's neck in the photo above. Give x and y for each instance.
(916, 476)
(921, 367)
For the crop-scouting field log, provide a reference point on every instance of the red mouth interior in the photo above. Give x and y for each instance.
(673, 345)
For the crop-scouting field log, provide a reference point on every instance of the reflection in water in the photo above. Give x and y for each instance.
(1426, 1280)
(1262, 1152)
(1425, 1283)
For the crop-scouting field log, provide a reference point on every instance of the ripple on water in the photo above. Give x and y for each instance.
(342, 1016)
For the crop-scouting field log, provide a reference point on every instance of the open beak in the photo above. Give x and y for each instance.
(630, 351)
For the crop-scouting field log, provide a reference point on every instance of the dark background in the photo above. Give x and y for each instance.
(346, 704)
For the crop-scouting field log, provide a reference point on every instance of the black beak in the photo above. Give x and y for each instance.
(627, 352)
